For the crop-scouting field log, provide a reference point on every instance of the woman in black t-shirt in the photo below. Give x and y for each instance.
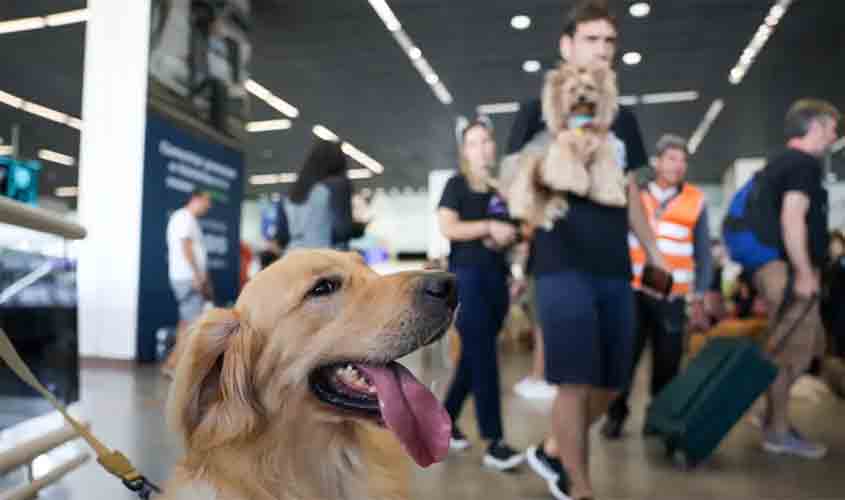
(469, 216)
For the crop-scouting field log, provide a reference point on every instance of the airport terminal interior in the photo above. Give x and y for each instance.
(605, 240)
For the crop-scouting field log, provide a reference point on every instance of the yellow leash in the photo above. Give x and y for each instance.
(113, 461)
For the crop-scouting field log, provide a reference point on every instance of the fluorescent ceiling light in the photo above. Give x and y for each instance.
(11, 100)
(67, 17)
(498, 108)
(268, 125)
(386, 14)
(23, 24)
(40, 22)
(45, 112)
(271, 99)
(632, 58)
(531, 66)
(521, 22)
(6, 150)
(666, 97)
(67, 191)
(362, 158)
(325, 134)
(39, 110)
(442, 93)
(359, 173)
(704, 127)
(74, 122)
(46, 154)
(639, 9)
(265, 179)
(413, 51)
(628, 100)
(758, 41)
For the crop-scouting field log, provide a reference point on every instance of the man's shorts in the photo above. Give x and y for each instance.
(804, 326)
(588, 328)
(189, 299)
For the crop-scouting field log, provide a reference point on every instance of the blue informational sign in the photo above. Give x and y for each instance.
(175, 163)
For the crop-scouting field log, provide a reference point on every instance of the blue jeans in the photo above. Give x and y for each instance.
(483, 297)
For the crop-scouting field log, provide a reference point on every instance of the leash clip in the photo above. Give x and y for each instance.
(142, 487)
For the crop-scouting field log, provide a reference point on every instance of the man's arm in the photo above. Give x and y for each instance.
(188, 252)
(640, 226)
(702, 254)
(793, 220)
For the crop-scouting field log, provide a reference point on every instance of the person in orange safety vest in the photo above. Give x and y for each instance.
(677, 212)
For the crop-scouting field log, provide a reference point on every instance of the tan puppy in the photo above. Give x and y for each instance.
(290, 394)
(578, 155)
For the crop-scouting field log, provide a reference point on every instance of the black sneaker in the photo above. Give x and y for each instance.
(549, 468)
(612, 428)
(502, 457)
(458, 442)
(560, 487)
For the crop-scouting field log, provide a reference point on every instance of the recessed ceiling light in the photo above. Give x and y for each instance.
(632, 58)
(415, 53)
(521, 22)
(432, 78)
(639, 9)
(531, 66)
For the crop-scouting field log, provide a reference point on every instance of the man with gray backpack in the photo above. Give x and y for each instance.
(776, 228)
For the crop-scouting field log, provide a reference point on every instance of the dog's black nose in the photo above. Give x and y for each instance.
(441, 286)
(582, 98)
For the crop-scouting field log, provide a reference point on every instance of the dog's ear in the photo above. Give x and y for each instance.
(213, 399)
(609, 101)
(553, 111)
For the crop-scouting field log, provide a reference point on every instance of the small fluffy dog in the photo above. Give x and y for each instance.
(295, 392)
(578, 155)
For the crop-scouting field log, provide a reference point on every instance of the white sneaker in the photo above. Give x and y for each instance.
(532, 388)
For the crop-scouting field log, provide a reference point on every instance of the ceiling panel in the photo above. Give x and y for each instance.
(335, 61)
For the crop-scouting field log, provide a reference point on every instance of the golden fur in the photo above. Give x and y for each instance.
(582, 161)
(252, 428)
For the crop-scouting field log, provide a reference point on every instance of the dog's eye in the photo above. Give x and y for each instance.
(325, 286)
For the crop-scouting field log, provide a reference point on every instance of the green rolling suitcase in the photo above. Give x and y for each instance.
(695, 411)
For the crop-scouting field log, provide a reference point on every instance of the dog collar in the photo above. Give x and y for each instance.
(579, 121)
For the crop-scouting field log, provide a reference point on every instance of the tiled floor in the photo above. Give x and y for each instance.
(125, 408)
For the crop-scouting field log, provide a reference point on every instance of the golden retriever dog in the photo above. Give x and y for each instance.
(295, 392)
(579, 155)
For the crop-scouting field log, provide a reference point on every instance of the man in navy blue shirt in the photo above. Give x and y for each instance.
(582, 272)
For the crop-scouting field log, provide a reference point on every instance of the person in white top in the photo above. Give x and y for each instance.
(187, 258)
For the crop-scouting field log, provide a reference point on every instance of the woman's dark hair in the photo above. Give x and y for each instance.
(325, 160)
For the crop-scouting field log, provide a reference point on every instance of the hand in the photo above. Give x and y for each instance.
(581, 143)
(518, 287)
(698, 316)
(502, 233)
(714, 305)
(658, 261)
(200, 281)
(806, 284)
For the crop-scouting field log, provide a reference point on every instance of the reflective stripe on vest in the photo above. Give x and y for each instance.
(675, 230)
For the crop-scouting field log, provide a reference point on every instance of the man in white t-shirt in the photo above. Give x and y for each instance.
(186, 258)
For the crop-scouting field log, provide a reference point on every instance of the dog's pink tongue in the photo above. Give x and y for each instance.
(412, 412)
